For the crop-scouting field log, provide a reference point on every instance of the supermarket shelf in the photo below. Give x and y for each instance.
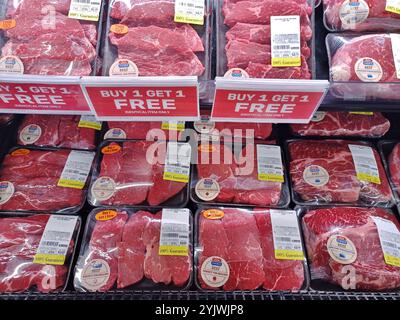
(201, 296)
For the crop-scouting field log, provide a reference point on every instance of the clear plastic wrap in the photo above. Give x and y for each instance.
(56, 131)
(244, 37)
(43, 40)
(344, 124)
(30, 180)
(240, 244)
(21, 236)
(363, 67)
(359, 16)
(249, 175)
(154, 45)
(131, 173)
(390, 153)
(344, 248)
(120, 250)
(337, 172)
(144, 130)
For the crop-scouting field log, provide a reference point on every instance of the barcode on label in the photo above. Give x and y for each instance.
(282, 47)
(51, 243)
(285, 239)
(389, 244)
(83, 1)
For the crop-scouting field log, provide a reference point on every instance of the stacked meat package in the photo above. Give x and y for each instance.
(41, 39)
(266, 39)
(145, 39)
(135, 249)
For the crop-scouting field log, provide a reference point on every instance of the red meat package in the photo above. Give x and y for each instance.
(242, 249)
(354, 248)
(134, 249)
(73, 132)
(351, 124)
(43, 40)
(27, 262)
(250, 37)
(44, 180)
(251, 174)
(337, 171)
(134, 173)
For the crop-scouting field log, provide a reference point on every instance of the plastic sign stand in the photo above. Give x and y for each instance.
(42, 94)
(143, 98)
(261, 100)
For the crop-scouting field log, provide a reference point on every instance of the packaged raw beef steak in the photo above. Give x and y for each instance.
(135, 249)
(45, 180)
(42, 40)
(353, 248)
(265, 38)
(351, 124)
(134, 173)
(390, 151)
(368, 62)
(73, 132)
(144, 40)
(27, 259)
(232, 173)
(242, 249)
(361, 15)
(145, 130)
(337, 171)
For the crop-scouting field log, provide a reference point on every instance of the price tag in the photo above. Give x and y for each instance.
(189, 11)
(285, 41)
(54, 244)
(395, 38)
(143, 98)
(389, 237)
(89, 122)
(76, 169)
(393, 6)
(265, 100)
(269, 163)
(177, 162)
(174, 234)
(173, 125)
(286, 235)
(365, 163)
(85, 10)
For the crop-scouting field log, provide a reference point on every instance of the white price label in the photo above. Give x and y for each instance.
(395, 38)
(286, 235)
(85, 10)
(189, 11)
(76, 169)
(393, 6)
(285, 41)
(174, 234)
(54, 244)
(89, 122)
(389, 237)
(269, 163)
(177, 162)
(365, 163)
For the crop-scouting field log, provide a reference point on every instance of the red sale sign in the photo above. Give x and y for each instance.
(36, 94)
(141, 99)
(259, 100)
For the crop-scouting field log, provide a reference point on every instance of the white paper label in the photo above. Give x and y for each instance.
(396, 52)
(85, 10)
(393, 6)
(365, 163)
(389, 237)
(215, 271)
(89, 122)
(269, 163)
(95, 274)
(286, 235)
(204, 126)
(30, 134)
(54, 244)
(353, 12)
(174, 234)
(6, 191)
(236, 73)
(11, 65)
(316, 176)
(76, 169)
(190, 11)
(341, 249)
(115, 133)
(368, 70)
(103, 188)
(285, 41)
(177, 162)
(207, 189)
(123, 68)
